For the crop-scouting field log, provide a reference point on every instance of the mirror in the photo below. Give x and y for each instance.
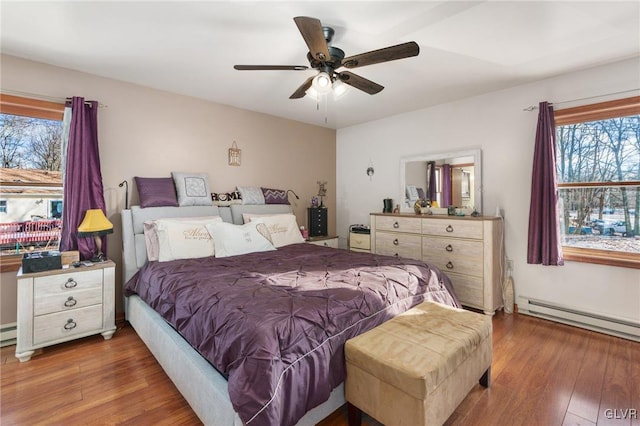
(456, 177)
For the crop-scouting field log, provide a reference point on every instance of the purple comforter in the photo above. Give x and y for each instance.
(275, 323)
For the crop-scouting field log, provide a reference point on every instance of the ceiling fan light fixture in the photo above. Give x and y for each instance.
(322, 83)
(339, 89)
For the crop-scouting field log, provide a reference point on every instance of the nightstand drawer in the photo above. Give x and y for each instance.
(64, 283)
(61, 325)
(359, 241)
(73, 299)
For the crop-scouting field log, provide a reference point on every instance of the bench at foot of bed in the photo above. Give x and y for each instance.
(418, 367)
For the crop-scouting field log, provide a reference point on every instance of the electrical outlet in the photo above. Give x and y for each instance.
(509, 264)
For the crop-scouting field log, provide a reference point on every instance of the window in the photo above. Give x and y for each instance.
(30, 177)
(598, 165)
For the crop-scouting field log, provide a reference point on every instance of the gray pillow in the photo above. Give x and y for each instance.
(192, 189)
(251, 195)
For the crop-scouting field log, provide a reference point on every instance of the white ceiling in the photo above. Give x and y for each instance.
(466, 48)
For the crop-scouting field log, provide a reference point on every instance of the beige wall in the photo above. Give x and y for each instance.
(147, 132)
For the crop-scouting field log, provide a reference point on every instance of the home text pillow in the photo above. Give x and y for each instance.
(232, 240)
(192, 189)
(224, 199)
(283, 228)
(179, 238)
(156, 192)
(275, 196)
(251, 195)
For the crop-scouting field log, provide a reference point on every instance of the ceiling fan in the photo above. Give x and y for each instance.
(329, 59)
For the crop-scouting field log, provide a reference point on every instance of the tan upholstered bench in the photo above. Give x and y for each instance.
(418, 367)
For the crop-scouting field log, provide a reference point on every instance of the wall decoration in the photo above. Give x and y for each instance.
(234, 155)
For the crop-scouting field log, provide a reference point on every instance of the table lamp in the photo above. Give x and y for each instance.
(95, 224)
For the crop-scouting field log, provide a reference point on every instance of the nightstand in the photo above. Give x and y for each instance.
(359, 242)
(327, 241)
(64, 304)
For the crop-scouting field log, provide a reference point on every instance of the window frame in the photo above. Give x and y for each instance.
(27, 107)
(593, 112)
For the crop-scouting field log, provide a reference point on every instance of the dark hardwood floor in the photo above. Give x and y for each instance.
(543, 373)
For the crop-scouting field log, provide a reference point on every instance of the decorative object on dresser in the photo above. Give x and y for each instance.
(318, 221)
(467, 249)
(64, 304)
(95, 224)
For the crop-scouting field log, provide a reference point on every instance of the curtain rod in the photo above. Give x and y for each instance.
(44, 97)
(532, 108)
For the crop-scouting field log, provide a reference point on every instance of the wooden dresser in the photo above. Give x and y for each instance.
(468, 249)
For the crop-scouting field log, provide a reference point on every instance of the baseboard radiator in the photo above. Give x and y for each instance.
(573, 316)
(7, 334)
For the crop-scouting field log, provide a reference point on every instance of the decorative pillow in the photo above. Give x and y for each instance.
(152, 234)
(251, 195)
(156, 192)
(421, 194)
(275, 196)
(283, 228)
(192, 188)
(232, 240)
(226, 198)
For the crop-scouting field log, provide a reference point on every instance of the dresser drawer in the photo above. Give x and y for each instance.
(454, 255)
(398, 224)
(398, 244)
(359, 241)
(61, 325)
(453, 228)
(468, 289)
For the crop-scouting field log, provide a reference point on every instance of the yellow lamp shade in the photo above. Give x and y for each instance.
(94, 223)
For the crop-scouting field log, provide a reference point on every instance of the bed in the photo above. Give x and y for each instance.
(224, 379)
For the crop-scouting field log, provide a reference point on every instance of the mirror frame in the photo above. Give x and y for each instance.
(477, 161)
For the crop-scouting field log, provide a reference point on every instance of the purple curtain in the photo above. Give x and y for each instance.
(431, 190)
(544, 245)
(83, 178)
(446, 185)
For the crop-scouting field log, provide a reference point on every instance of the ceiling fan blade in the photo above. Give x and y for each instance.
(311, 30)
(301, 91)
(271, 67)
(386, 54)
(361, 83)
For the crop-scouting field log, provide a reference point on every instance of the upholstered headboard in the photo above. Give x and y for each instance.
(134, 249)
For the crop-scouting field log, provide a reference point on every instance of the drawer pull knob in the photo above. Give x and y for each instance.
(70, 302)
(71, 283)
(449, 228)
(449, 265)
(396, 224)
(396, 242)
(70, 325)
(396, 255)
(448, 247)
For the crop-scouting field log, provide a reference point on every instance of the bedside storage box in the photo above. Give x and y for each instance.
(41, 261)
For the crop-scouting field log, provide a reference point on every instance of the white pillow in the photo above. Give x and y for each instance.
(251, 195)
(185, 240)
(283, 228)
(232, 240)
(151, 231)
(192, 189)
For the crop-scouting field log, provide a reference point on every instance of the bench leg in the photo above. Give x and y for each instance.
(354, 415)
(485, 380)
